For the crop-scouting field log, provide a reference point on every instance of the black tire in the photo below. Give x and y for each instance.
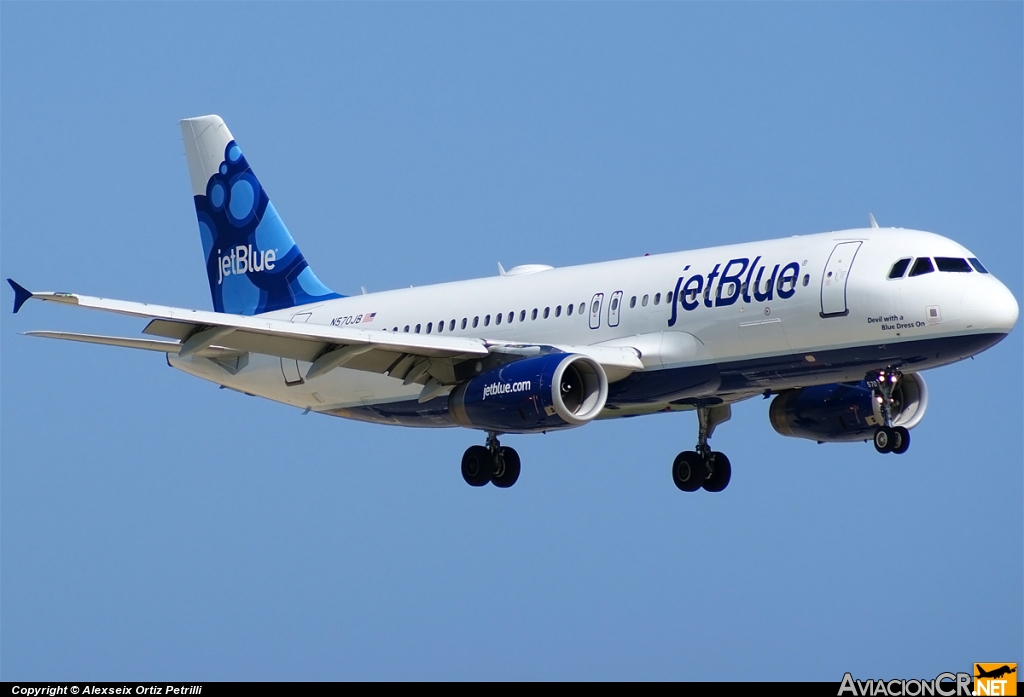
(509, 474)
(721, 473)
(901, 442)
(884, 439)
(689, 471)
(477, 465)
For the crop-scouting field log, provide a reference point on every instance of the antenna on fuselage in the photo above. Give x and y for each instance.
(501, 269)
(871, 218)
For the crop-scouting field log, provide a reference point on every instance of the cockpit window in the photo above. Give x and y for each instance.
(952, 264)
(922, 265)
(977, 265)
(899, 268)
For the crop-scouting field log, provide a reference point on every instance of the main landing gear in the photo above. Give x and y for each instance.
(704, 468)
(888, 438)
(492, 464)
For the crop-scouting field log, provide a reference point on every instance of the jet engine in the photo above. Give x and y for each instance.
(845, 411)
(544, 393)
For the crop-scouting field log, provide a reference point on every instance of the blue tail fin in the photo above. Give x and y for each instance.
(252, 262)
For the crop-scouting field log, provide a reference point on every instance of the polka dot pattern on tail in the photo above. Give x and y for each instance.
(242, 198)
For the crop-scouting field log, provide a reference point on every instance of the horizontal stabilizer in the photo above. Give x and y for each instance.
(124, 342)
(127, 342)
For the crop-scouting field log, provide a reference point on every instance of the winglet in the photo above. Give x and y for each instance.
(871, 218)
(20, 295)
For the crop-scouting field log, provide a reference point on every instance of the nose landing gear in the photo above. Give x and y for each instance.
(702, 467)
(888, 438)
(492, 464)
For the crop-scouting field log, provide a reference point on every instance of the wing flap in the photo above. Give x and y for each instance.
(170, 330)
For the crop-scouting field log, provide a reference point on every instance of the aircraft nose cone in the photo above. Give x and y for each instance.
(1006, 309)
(994, 309)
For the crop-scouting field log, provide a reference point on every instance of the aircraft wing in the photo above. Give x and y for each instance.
(409, 357)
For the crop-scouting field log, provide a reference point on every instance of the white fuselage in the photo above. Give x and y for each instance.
(828, 293)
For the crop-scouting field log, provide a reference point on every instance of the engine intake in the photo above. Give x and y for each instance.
(534, 394)
(846, 411)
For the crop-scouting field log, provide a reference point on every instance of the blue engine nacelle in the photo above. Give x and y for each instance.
(545, 393)
(846, 411)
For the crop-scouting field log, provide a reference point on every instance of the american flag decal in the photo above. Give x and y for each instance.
(368, 317)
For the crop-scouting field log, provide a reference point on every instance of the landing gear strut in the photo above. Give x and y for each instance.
(492, 464)
(702, 467)
(888, 438)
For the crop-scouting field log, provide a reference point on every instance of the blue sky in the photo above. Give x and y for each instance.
(155, 527)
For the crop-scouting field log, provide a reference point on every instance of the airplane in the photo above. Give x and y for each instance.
(996, 673)
(837, 326)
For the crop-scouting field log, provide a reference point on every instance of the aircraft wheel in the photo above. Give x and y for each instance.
(885, 439)
(689, 471)
(901, 441)
(506, 473)
(477, 465)
(721, 473)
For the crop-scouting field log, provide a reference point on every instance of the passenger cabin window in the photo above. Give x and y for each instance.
(644, 301)
(977, 265)
(487, 320)
(952, 265)
(522, 316)
(476, 321)
(464, 322)
(657, 298)
(429, 325)
(510, 316)
(569, 310)
(417, 329)
(533, 315)
(558, 312)
(922, 265)
(547, 312)
(632, 301)
(582, 305)
(497, 318)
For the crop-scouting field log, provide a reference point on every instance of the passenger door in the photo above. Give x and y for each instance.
(835, 277)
